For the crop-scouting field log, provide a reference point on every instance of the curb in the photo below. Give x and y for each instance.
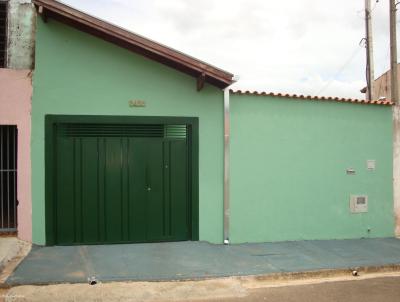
(325, 273)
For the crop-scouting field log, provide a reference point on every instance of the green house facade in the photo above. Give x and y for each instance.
(128, 146)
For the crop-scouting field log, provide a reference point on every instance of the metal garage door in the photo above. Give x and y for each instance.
(121, 183)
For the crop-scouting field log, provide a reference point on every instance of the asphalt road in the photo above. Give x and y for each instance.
(379, 289)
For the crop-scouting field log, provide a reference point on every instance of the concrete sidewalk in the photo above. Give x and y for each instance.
(10, 247)
(198, 260)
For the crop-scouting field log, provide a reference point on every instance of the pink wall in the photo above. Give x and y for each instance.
(15, 109)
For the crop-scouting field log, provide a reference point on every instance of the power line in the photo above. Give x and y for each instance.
(362, 11)
(347, 62)
(376, 2)
(387, 70)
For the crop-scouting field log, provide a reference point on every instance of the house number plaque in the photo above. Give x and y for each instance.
(136, 103)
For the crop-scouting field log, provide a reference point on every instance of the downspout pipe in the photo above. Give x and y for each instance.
(227, 137)
(227, 132)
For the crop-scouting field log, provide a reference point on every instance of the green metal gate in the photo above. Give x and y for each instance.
(118, 183)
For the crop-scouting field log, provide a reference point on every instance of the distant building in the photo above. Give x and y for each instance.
(382, 86)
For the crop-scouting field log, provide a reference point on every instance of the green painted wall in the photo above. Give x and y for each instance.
(288, 158)
(288, 169)
(80, 74)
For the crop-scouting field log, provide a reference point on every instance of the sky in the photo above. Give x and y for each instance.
(304, 47)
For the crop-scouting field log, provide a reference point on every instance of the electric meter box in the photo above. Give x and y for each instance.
(358, 203)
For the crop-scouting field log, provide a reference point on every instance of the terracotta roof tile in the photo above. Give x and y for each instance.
(314, 98)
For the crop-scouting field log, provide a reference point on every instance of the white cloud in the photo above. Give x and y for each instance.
(295, 46)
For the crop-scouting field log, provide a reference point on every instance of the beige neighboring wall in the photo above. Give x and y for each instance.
(382, 85)
(15, 109)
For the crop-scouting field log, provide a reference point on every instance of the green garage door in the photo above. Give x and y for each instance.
(121, 183)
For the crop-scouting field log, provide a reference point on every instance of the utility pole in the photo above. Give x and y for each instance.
(369, 48)
(394, 93)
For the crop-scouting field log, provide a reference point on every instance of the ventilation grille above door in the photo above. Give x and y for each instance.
(122, 130)
(175, 131)
(110, 130)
